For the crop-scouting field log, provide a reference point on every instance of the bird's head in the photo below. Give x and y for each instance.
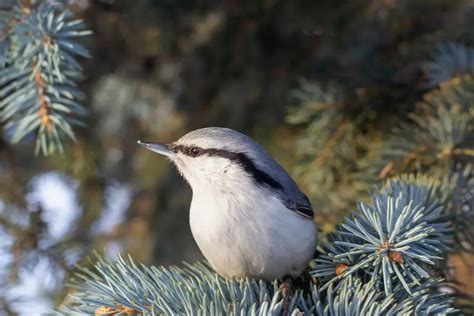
(221, 156)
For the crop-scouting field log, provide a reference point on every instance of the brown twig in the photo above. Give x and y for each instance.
(44, 109)
(325, 152)
(395, 256)
(405, 161)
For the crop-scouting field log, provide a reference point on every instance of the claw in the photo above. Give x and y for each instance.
(286, 288)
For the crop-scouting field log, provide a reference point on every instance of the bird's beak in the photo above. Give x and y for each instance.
(160, 148)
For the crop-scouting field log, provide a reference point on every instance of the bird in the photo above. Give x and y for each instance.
(247, 215)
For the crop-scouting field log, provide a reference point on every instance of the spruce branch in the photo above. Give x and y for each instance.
(461, 207)
(449, 60)
(438, 134)
(354, 297)
(38, 83)
(192, 290)
(125, 287)
(402, 231)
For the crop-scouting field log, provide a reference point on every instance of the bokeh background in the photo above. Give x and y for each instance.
(320, 84)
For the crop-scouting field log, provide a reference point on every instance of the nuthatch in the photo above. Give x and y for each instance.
(247, 215)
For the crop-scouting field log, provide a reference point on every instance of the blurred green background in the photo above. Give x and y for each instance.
(321, 84)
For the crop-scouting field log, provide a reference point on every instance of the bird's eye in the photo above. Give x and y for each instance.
(195, 151)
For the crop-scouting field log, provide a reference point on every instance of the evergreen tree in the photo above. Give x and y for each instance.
(384, 144)
(39, 75)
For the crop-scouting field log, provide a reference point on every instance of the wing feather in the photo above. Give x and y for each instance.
(302, 207)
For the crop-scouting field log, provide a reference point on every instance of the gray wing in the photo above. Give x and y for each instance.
(301, 206)
(269, 172)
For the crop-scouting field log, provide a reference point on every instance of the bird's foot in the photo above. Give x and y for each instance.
(286, 289)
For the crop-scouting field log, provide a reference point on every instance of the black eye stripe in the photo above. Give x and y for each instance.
(192, 151)
(241, 158)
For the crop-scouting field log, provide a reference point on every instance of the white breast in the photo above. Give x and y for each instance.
(246, 233)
